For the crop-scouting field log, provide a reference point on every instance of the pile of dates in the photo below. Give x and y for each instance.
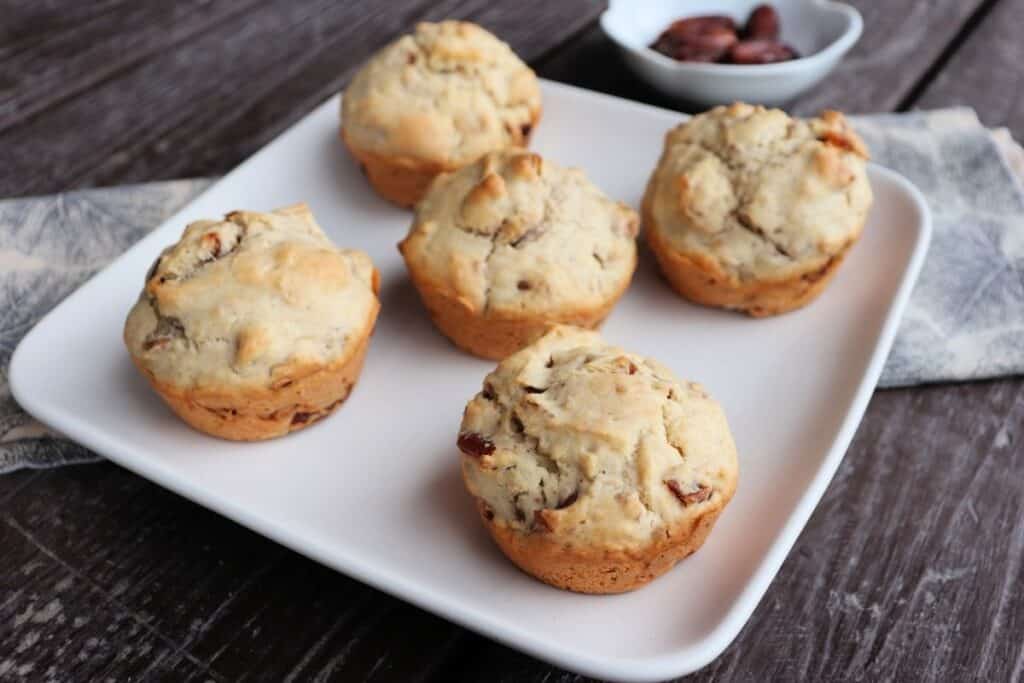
(717, 38)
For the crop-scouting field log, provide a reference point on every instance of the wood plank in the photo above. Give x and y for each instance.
(902, 40)
(201, 110)
(13, 482)
(985, 72)
(24, 22)
(58, 627)
(210, 146)
(63, 63)
(218, 595)
(148, 110)
(910, 568)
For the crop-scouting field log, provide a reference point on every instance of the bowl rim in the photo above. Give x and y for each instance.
(834, 50)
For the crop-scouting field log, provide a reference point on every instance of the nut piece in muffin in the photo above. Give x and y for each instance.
(433, 102)
(595, 469)
(254, 326)
(503, 249)
(751, 210)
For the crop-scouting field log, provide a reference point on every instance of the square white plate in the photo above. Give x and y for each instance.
(374, 491)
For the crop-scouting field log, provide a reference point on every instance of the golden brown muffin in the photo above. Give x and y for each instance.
(434, 101)
(256, 325)
(503, 249)
(752, 210)
(595, 469)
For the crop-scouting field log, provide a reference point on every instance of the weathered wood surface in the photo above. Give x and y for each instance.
(186, 89)
(904, 44)
(911, 568)
(989, 68)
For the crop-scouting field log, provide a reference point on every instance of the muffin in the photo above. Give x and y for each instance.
(504, 248)
(254, 326)
(595, 469)
(754, 211)
(434, 101)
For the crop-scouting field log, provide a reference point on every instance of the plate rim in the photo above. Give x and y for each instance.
(679, 662)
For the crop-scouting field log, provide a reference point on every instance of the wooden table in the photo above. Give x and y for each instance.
(911, 568)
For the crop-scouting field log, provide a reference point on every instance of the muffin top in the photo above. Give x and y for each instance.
(249, 301)
(601, 447)
(514, 236)
(761, 194)
(444, 95)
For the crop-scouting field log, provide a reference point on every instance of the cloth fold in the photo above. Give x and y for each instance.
(965, 319)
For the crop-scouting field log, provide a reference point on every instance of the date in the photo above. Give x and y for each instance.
(760, 52)
(762, 24)
(716, 38)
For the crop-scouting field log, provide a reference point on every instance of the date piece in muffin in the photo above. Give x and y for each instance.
(503, 249)
(595, 469)
(752, 210)
(434, 101)
(256, 325)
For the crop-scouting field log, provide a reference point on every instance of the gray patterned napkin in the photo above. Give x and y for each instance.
(966, 315)
(48, 247)
(965, 319)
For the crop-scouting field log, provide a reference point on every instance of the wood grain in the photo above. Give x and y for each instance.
(199, 99)
(233, 603)
(57, 625)
(986, 69)
(901, 42)
(24, 22)
(67, 60)
(910, 569)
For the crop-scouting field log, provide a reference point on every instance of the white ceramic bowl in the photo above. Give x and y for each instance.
(820, 30)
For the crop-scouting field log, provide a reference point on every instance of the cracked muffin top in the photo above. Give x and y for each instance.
(599, 446)
(445, 94)
(761, 194)
(249, 300)
(514, 235)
